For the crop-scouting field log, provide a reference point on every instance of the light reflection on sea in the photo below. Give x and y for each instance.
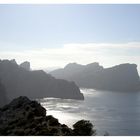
(112, 112)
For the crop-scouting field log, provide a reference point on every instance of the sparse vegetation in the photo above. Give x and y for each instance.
(83, 128)
(23, 117)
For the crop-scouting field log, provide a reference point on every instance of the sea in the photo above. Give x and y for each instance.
(113, 113)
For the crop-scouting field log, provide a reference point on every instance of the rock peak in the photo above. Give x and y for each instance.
(25, 65)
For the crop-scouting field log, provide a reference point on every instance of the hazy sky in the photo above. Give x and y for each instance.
(54, 35)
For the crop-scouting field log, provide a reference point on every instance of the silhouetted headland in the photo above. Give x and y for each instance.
(34, 84)
(123, 77)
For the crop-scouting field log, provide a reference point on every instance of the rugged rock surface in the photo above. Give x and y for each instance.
(25, 65)
(35, 84)
(23, 117)
(122, 77)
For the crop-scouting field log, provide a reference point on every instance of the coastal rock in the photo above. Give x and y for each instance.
(35, 84)
(23, 117)
(123, 77)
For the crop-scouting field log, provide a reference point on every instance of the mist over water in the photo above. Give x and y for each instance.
(111, 112)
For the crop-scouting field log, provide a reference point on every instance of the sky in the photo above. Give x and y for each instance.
(51, 36)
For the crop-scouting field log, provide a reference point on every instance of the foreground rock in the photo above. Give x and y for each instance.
(23, 117)
(123, 77)
(35, 84)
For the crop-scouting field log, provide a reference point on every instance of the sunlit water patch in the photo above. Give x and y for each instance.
(112, 112)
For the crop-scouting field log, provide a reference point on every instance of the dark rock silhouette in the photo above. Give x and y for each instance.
(123, 77)
(83, 128)
(25, 65)
(35, 84)
(3, 98)
(23, 117)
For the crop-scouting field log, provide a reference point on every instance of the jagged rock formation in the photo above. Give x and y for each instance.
(23, 117)
(35, 84)
(13, 61)
(3, 98)
(122, 77)
(25, 65)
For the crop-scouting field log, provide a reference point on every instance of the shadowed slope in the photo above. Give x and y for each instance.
(35, 84)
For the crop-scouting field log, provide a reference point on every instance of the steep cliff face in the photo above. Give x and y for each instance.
(35, 84)
(3, 98)
(122, 77)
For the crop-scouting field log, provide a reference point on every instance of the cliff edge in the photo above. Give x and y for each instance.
(35, 84)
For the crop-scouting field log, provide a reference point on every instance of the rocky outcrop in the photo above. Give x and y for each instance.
(122, 77)
(25, 65)
(35, 84)
(3, 98)
(23, 117)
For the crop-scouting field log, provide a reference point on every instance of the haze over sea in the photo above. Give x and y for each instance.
(112, 112)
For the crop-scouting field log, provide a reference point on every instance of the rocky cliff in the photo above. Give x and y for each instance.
(123, 77)
(35, 84)
(23, 117)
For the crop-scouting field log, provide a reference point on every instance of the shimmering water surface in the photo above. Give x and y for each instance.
(112, 112)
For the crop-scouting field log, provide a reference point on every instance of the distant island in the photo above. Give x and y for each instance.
(122, 78)
(19, 80)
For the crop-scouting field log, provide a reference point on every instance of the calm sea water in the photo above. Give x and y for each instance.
(112, 112)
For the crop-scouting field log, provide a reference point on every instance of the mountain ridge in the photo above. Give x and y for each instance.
(123, 77)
